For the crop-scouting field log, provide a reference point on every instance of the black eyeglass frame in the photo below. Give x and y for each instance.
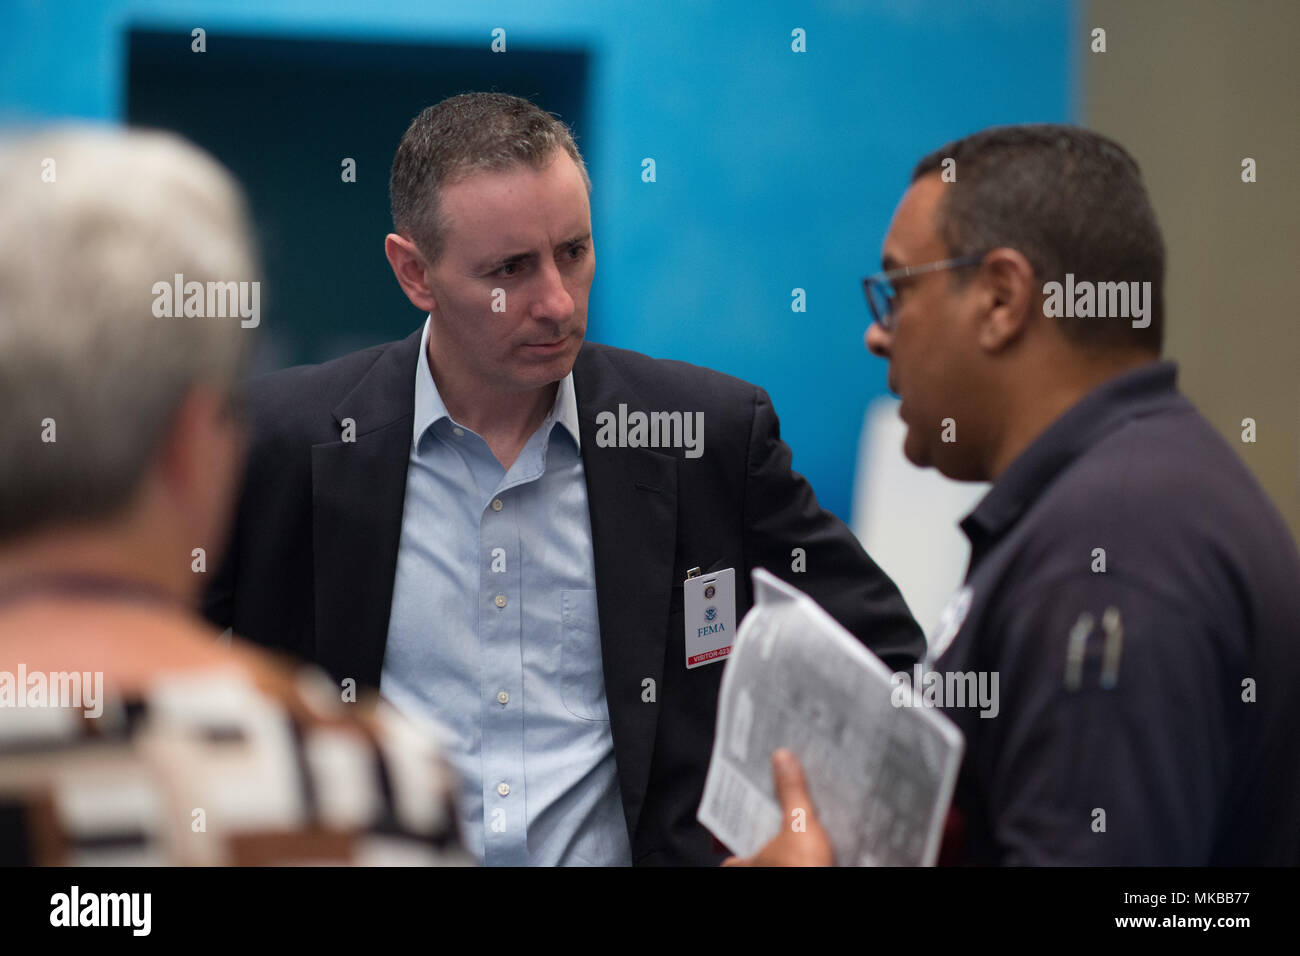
(882, 284)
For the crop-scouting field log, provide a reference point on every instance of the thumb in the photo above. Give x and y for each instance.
(791, 787)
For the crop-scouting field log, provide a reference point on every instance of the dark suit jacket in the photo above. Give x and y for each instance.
(313, 553)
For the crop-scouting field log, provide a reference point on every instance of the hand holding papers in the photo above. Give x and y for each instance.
(880, 776)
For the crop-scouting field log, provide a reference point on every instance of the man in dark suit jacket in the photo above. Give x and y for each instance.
(323, 564)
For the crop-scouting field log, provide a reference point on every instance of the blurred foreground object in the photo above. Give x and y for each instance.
(128, 734)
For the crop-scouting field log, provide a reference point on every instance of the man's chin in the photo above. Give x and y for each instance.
(944, 462)
(914, 448)
(537, 370)
(915, 454)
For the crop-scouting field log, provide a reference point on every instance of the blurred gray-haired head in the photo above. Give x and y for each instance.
(91, 220)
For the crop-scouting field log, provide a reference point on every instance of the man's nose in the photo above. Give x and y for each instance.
(878, 340)
(553, 300)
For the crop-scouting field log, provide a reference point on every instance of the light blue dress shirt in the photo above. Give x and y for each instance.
(493, 636)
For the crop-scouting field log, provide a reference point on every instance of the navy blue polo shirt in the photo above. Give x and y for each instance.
(1138, 597)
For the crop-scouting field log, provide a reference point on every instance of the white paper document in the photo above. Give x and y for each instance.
(880, 776)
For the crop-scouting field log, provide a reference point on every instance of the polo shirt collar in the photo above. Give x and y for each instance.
(1085, 424)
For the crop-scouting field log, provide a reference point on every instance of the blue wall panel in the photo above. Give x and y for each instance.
(775, 169)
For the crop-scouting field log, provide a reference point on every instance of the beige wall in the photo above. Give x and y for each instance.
(1191, 87)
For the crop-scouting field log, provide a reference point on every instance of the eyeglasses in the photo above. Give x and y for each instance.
(881, 293)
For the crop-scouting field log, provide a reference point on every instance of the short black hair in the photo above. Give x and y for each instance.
(1069, 200)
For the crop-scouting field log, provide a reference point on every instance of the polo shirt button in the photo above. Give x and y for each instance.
(499, 600)
(458, 432)
(496, 504)
(503, 789)
(503, 697)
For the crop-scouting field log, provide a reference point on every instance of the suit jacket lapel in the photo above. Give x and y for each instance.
(632, 499)
(358, 490)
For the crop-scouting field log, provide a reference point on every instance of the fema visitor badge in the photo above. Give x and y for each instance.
(709, 607)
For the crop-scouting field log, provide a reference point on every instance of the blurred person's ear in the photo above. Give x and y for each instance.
(410, 268)
(200, 465)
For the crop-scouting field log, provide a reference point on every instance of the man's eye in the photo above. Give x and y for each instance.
(507, 270)
(577, 252)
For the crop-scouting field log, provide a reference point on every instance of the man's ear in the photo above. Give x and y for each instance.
(410, 268)
(1011, 298)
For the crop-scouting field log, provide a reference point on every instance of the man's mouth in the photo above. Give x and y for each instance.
(546, 348)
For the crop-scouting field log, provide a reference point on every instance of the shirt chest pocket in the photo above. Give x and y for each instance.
(582, 675)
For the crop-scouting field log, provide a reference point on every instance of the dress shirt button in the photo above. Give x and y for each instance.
(503, 697)
(499, 600)
(503, 789)
(458, 432)
(496, 504)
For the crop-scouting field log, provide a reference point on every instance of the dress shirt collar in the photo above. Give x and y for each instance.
(429, 407)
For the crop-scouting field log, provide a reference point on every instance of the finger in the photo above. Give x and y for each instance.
(791, 787)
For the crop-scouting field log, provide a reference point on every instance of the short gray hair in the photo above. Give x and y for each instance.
(90, 219)
(463, 135)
